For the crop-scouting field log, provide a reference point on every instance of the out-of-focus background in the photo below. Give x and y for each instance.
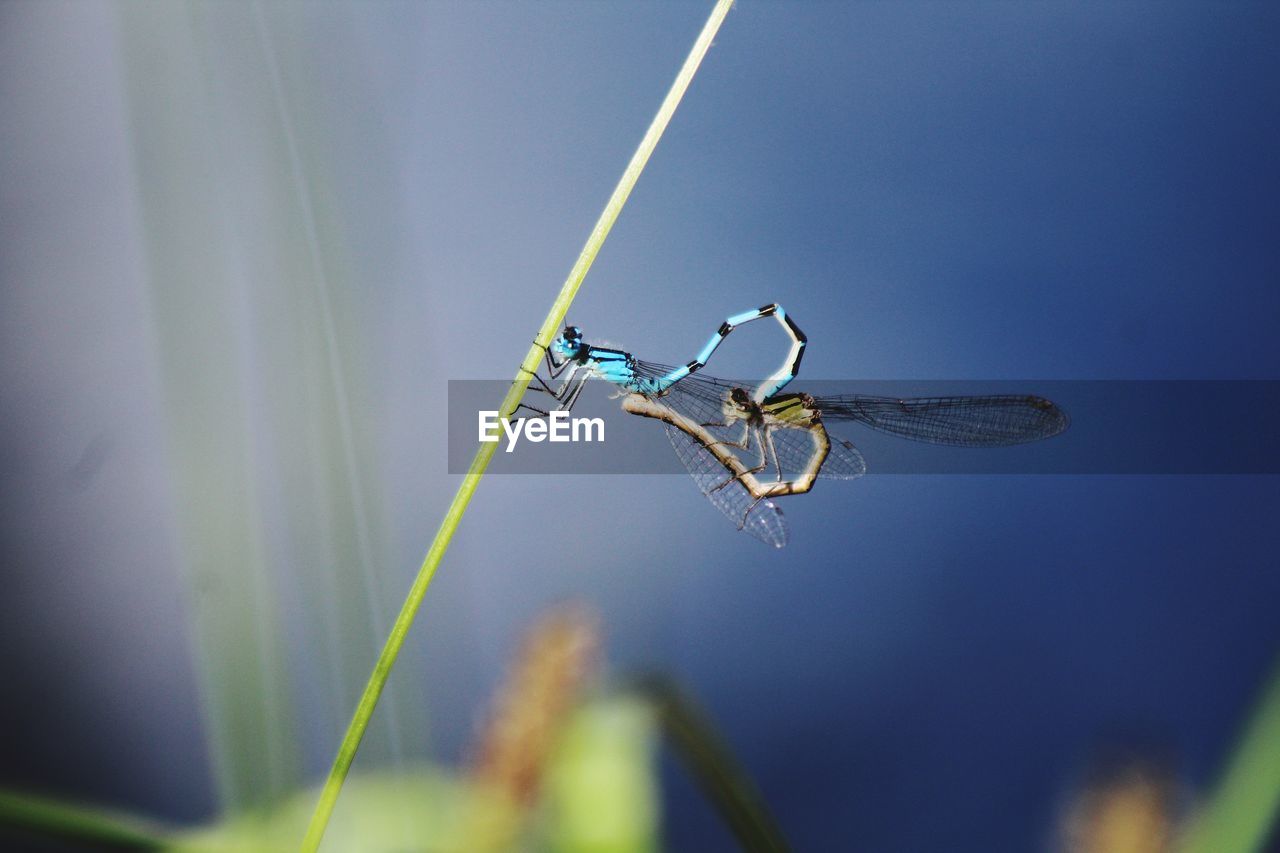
(243, 247)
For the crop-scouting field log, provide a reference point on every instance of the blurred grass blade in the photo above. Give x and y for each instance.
(602, 783)
(1241, 815)
(382, 669)
(197, 296)
(52, 818)
(708, 757)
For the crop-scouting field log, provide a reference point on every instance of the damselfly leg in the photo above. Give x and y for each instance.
(567, 394)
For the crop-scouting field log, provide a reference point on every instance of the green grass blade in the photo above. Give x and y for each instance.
(600, 788)
(196, 296)
(1244, 807)
(382, 669)
(721, 777)
(80, 823)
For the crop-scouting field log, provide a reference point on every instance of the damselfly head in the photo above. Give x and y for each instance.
(739, 406)
(569, 342)
(740, 398)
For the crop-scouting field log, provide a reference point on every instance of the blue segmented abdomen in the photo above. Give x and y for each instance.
(618, 367)
(773, 384)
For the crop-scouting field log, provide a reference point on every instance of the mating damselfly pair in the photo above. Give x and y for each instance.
(745, 447)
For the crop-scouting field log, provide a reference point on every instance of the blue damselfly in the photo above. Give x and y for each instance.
(712, 422)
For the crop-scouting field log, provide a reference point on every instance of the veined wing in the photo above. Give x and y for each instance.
(702, 398)
(795, 447)
(698, 397)
(844, 462)
(761, 518)
(990, 421)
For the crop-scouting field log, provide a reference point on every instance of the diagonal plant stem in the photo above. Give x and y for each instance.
(390, 651)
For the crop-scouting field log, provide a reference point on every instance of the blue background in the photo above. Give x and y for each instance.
(934, 191)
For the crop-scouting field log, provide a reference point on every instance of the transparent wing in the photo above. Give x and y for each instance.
(991, 421)
(844, 462)
(761, 518)
(699, 398)
(795, 448)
